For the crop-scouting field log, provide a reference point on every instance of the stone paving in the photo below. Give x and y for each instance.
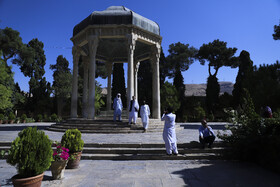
(145, 173)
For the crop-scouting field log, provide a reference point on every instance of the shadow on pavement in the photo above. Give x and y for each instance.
(215, 127)
(19, 128)
(227, 173)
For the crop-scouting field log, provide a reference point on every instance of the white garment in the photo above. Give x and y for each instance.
(144, 113)
(133, 113)
(117, 106)
(169, 134)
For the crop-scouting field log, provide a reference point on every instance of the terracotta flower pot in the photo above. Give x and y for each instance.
(35, 181)
(73, 164)
(58, 168)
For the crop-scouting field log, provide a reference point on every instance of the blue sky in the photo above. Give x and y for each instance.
(244, 24)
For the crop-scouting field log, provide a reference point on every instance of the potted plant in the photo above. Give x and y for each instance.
(60, 159)
(72, 139)
(11, 118)
(39, 118)
(31, 153)
(2, 117)
(23, 118)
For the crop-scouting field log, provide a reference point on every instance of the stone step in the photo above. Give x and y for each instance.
(195, 156)
(147, 150)
(101, 131)
(187, 151)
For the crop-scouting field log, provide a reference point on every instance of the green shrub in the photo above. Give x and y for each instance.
(30, 152)
(11, 116)
(30, 120)
(23, 117)
(2, 117)
(39, 117)
(253, 138)
(72, 139)
(54, 117)
(199, 113)
(46, 118)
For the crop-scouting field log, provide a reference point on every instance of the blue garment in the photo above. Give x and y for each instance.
(205, 132)
(117, 106)
(169, 133)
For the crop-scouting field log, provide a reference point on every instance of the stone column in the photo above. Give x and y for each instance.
(93, 43)
(156, 85)
(74, 96)
(136, 79)
(109, 86)
(85, 87)
(130, 66)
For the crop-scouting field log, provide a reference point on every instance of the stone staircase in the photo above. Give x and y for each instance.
(187, 151)
(104, 124)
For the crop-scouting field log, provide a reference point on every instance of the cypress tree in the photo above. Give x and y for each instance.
(118, 82)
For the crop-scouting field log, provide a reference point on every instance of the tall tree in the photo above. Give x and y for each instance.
(118, 83)
(169, 97)
(243, 78)
(180, 57)
(62, 78)
(145, 83)
(276, 34)
(5, 89)
(218, 55)
(10, 43)
(163, 68)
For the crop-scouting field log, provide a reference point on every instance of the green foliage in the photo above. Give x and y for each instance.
(145, 83)
(54, 117)
(10, 43)
(218, 55)
(212, 93)
(30, 152)
(11, 116)
(39, 117)
(23, 117)
(6, 81)
(169, 97)
(30, 120)
(72, 139)
(253, 138)
(118, 83)
(244, 76)
(265, 86)
(98, 103)
(2, 117)
(276, 34)
(61, 77)
(180, 57)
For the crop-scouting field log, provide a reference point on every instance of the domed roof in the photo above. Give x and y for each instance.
(117, 15)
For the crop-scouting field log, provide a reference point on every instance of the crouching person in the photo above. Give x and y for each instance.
(206, 134)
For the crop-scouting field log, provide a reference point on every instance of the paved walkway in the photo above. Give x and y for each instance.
(146, 173)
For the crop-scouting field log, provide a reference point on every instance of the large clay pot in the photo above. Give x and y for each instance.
(73, 164)
(57, 169)
(35, 181)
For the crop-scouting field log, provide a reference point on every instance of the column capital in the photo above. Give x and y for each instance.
(131, 39)
(137, 66)
(76, 51)
(92, 43)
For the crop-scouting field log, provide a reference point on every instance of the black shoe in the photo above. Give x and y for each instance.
(168, 154)
(175, 154)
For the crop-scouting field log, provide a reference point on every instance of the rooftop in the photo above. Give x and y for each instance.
(117, 15)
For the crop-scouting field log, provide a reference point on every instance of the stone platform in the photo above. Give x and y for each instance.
(104, 124)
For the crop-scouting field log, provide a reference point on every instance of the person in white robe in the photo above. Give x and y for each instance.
(133, 110)
(145, 113)
(117, 106)
(169, 134)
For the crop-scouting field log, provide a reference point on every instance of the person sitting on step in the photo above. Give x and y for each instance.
(206, 134)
